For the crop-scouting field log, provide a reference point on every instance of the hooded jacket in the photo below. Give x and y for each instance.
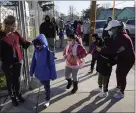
(86, 28)
(48, 29)
(122, 47)
(43, 65)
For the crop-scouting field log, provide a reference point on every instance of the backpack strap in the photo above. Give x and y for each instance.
(75, 49)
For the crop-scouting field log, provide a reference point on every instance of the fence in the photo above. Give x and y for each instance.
(29, 16)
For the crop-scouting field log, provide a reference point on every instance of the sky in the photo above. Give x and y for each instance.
(63, 6)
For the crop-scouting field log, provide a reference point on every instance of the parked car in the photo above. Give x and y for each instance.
(130, 27)
(99, 26)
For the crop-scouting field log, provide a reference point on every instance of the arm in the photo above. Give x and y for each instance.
(25, 44)
(112, 48)
(33, 64)
(81, 52)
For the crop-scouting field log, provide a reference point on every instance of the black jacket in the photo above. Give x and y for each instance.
(48, 29)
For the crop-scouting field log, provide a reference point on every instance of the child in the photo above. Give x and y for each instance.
(74, 54)
(104, 67)
(61, 37)
(68, 30)
(96, 40)
(43, 65)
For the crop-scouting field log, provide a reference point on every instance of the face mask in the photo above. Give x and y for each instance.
(38, 47)
(110, 33)
(69, 42)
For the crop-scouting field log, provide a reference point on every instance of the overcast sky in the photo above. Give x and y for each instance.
(63, 6)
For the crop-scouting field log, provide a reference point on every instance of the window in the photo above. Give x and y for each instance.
(100, 24)
(131, 22)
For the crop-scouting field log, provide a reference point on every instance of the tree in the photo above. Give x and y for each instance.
(86, 13)
(46, 5)
(62, 15)
(71, 12)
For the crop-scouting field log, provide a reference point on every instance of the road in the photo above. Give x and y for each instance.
(85, 100)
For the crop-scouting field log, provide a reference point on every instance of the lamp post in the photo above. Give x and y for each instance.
(92, 19)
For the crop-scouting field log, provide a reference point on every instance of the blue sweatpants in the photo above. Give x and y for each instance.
(47, 89)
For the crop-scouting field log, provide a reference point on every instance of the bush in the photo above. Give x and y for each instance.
(2, 81)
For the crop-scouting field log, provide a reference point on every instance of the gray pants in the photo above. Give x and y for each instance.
(51, 43)
(69, 71)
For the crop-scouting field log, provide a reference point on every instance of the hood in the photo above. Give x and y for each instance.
(42, 39)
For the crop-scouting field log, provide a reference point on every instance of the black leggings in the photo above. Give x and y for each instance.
(121, 75)
(12, 78)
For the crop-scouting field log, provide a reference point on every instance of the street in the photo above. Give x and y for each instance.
(85, 100)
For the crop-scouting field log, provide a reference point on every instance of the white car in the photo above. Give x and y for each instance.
(99, 26)
(130, 27)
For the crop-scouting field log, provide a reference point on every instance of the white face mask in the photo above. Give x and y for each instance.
(69, 42)
(110, 33)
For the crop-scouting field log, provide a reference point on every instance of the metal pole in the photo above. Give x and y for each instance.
(24, 32)
(113, 11)
(92, 19)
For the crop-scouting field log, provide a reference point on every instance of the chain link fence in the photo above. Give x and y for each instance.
(29, 16)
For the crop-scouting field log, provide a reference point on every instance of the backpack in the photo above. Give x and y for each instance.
(74, 53)
(51, 64)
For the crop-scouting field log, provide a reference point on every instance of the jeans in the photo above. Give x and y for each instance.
(93, 62)
(12, 75)
(103, 81)
(47, 89)
(69, 71)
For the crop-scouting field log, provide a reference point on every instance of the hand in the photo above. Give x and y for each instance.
(31, 43)
(98, 49)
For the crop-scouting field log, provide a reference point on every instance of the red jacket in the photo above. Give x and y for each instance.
(121, 47)
(9, 43)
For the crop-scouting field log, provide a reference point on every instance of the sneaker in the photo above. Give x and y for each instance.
(14, 101)
(98, 89)
(90, 72)
(103, 94)
(46, 103)
(118, 95)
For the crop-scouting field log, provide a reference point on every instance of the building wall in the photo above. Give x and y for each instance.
(125, 14)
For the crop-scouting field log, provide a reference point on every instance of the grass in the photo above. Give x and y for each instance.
(2, 81)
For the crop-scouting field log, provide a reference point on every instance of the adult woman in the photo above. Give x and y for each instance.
(79, 29)
(121, 46)
(11, 57)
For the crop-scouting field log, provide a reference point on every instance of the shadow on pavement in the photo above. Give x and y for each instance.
(78, 104)
(83, 78)
(54, 92)
(93, 105)
(59, 61)
(96, 104)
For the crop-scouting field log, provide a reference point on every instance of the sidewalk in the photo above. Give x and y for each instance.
(85, 100)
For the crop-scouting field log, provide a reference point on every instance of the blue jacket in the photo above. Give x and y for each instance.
(43, 65)
(93, 50)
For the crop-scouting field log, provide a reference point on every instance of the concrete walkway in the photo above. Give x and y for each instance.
(85, 100)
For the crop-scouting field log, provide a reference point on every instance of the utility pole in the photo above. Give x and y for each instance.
(92, 19)
(113, 11)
